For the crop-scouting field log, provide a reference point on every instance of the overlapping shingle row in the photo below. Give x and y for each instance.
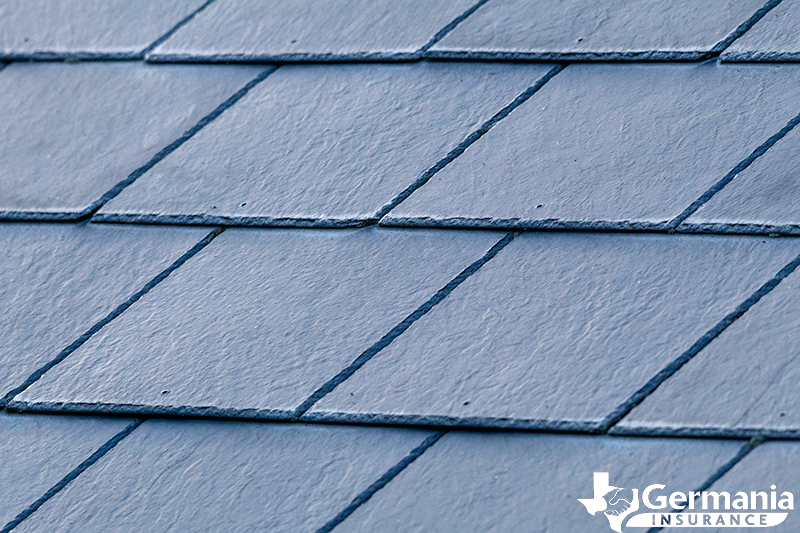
(371, 286)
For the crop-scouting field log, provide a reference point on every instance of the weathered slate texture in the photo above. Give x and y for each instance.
(595, 29)
(322, 145)
(776, 37)
(558, 330)
(222, 476)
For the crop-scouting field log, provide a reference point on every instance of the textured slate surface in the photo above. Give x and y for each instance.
(558, 330)
(222, 476)
(746, 379)
(322, 145)
(259, 320)
(765, 197)
(59, 280)
(597, 29)
(773, 463)
(86, 29)
(70, 132)
(308, 30)
(38, 451)
(508, 482)
(774, 38)
(610, 146)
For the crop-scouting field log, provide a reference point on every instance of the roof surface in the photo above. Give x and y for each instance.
(351, 265)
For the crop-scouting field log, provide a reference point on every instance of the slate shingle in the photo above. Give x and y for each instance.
(38, 451)
(764, 198)
(610, 146)
(86, 29)
(558, 330)
(59, 280)
(774, 38)
(224, 476)
(596, 29)
(310, 30)
(322, 145)
(257, 321)
(744, 382)
(70, 132)
(772, 463)
(518, 482)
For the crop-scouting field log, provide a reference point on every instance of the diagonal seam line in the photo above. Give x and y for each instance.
(471, 138)
(33, 378)
(730, 176)
(638, 397)
(191, 132)
(742, 29)
(175, 28)
(450, 27)
(721, 471)
(381, 482)
(66, 480)
(387, 339)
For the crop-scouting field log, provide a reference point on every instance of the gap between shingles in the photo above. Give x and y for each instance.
(33, 378)
(175, 28)
(730, 176)
(742, 29)
(721, 471)
(450, 27)
(387, 339)
(191, 132)
(639, 396)
(466, 143)
(384, 480)
(66, 480)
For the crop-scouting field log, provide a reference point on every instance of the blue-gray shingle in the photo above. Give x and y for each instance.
(70, 132)
(310, 30)
(610, 146)
(775, 37)
(595, 29)
(521, 483)
(322, 145)
(558, 330)
(765, 197)
(59, 280)
(745, 381)
(224, 476)
(258, 320)
(86, 29)
(38, 451)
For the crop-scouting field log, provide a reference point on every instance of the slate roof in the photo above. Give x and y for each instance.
(351, 265)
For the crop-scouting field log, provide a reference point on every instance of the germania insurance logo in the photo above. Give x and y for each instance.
(679, 509)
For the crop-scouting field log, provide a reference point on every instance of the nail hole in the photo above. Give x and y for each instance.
(164, 392)
(466, 403)
(538, 206)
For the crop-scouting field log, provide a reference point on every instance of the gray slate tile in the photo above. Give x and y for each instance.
(38, 451)
(773, 38)
(257, 321)
(610, 146)
(527, 482)
(744, 382)
(322, 145)
(595, 29)
(59, 280)
(86, 29)
(70, 132)
(558, 330)
(772, 463)
(223, 476)
(765, 197)
(309, 30)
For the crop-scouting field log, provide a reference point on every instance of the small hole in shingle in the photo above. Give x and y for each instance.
(782, 414)
(538, 206)
(466, 403)
(243, 204)
(164, 392)
(580, 39)
(294, 41)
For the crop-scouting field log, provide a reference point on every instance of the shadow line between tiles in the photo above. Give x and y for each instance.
(66, 352)
(639, 396)
(66, 480)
